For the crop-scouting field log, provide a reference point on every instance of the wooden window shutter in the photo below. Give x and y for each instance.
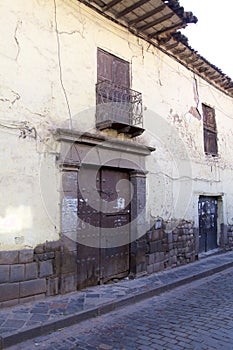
(210, 130)
(112, 68)
(104, 66)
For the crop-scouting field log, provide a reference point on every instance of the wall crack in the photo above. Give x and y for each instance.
(60, 65)
(12, 100)
(18, 25)
(71, 33)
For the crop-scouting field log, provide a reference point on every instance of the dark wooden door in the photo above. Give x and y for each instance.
(207, 210)
(107, 210)
(115, 216)
(88, 257)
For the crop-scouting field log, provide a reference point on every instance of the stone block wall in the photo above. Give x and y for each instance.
(51, 268)
(229, 242)
(170, 245)
(226, 237)
(30, 274)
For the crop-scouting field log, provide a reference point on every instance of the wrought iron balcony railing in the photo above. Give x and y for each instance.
(119, 108)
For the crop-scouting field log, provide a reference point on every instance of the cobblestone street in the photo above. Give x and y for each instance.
(196, 316)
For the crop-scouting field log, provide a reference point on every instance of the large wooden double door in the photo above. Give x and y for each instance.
(103, 222)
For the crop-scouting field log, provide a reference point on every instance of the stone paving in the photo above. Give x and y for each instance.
(33, 319)
(198, 316)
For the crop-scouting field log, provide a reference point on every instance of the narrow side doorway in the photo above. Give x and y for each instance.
(208, 225)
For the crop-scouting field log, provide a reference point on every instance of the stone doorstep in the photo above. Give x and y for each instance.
(66, 321)
(211, 253)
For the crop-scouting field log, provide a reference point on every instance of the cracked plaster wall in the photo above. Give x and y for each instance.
(48, 74)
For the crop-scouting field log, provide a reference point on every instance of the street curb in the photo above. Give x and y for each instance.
(48, 327)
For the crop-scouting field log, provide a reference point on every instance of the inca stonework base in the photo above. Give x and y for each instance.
(51, 268)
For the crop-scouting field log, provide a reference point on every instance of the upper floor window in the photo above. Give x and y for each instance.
(210, 130)
(118, 106)
(112, 68)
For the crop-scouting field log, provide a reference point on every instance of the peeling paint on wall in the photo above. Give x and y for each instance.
(195, 113)
(49, 84)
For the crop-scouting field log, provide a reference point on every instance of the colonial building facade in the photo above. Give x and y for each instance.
(116, 136)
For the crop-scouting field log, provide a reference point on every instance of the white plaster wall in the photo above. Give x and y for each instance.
(47, 80)
(29, 210)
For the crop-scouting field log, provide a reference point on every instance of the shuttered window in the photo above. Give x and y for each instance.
(112, 69)
(210, 130)
(113, 88)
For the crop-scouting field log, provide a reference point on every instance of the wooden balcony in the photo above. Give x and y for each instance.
(119, 108)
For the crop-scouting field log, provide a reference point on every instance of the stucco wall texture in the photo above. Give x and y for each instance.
(48, 69)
